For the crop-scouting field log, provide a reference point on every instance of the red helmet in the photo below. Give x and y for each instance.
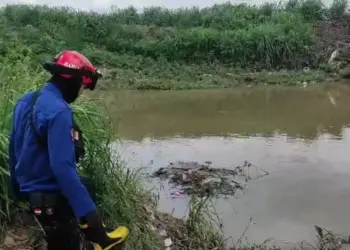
(70, 63)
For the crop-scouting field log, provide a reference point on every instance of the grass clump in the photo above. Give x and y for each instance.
(120, 197)
(200, 231)
(16, 78)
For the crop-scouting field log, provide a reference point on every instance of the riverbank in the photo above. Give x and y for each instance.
(162, 49)
(211, 77)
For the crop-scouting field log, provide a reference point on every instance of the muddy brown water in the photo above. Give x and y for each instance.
(298, 135)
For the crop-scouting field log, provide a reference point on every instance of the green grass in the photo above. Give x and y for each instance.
(16, 77)
(205, 77)
(121, 198)
(267, 40)
(158, 47)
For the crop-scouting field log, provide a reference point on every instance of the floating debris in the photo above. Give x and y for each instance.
(332, 99)
(177, 194)
(203, 180)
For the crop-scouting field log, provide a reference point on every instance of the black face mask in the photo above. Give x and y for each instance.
(68, 87)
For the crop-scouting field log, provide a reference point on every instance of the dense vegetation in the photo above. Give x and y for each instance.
(148, 49)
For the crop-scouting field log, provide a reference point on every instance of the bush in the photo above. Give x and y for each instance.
(269, 36)
(312, 10)
(338, 9)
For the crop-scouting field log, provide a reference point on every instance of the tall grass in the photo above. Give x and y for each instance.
(267, 36)
(226, 16)
(16, 77)
(120, 197)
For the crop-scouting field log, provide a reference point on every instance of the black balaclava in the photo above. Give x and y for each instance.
(69, 87)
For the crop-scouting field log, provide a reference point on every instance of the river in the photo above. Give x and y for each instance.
(298, 135)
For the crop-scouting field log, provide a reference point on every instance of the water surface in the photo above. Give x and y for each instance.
(299, 136)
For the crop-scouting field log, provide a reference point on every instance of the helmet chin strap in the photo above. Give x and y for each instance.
(68, 87)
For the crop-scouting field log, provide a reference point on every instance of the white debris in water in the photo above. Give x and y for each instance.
(211, 180)
(332, 99)
(161, 232)
(168, 242)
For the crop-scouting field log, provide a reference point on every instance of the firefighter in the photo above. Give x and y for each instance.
(44, 147)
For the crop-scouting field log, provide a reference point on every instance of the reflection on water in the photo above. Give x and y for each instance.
(308, 182)
(297, 135)
(263, 111)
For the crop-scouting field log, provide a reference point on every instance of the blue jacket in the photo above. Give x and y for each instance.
(52, 168)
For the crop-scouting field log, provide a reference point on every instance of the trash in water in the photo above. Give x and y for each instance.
(177, 194)
(203, 180)
(332, 99)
